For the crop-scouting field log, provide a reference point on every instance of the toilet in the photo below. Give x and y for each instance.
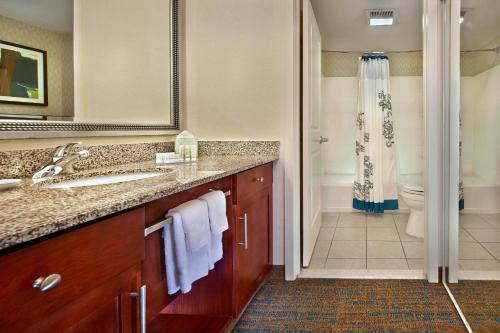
(413, 196)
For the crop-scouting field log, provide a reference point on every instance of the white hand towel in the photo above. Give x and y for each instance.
(216, 201)
(195, 222)
(183, 267)
(217, 251)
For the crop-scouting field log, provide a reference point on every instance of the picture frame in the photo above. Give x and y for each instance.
(23, 75)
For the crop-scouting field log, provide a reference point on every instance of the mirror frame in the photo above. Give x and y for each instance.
(26, 129)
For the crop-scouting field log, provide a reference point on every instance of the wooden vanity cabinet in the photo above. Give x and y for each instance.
(253, 232)
(103, 265)
(99, 265)
(209, 303)
(218, 299)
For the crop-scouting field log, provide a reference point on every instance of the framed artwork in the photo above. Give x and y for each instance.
(23, 75)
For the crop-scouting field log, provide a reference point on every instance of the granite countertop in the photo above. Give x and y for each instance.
(31, 210)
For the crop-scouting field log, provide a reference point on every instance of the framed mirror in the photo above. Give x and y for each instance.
(89, 67)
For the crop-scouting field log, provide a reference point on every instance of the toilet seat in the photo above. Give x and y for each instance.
(413, 190)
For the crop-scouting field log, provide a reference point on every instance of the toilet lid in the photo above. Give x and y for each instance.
(414, 189)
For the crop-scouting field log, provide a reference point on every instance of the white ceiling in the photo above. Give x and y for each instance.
(481, 26)
(53, 15)
(343, 25)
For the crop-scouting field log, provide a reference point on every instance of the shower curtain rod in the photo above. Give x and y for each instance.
(494, 49)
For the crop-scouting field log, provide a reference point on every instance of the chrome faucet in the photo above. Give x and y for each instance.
(61, 161)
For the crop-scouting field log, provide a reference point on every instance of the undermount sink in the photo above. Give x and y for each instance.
(107, 179)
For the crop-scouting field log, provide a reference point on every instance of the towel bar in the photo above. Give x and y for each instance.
(167, 220)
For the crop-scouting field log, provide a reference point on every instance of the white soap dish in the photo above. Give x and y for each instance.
(9, 183)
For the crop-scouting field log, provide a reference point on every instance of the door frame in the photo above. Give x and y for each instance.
(451, 83)
(291, 152)
(433, 11)
(433, 146)
(311, 222)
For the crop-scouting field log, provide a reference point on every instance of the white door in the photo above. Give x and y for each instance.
(311, 139)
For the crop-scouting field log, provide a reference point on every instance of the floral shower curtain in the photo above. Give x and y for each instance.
(375, 184)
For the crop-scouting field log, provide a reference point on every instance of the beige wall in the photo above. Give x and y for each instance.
(240, 78)
(59, 49)
(237, 68)
(122, 61)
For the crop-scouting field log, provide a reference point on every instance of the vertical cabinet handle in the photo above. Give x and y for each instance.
(142, 307)
(245, 228)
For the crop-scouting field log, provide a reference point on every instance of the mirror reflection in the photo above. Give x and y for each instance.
(479, 220)
(86, 61)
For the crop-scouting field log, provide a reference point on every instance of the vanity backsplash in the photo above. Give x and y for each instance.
(23, 163)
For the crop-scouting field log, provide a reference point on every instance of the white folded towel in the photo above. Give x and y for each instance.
(217, 251)
(195, 222)
(183, 267)
(216, 201)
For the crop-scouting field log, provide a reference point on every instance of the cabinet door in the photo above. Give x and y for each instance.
(89, 268)
(252, 219)
(110, 308)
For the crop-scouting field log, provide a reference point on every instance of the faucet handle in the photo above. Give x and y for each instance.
(84, 153)
(61, 150)
(46, 171)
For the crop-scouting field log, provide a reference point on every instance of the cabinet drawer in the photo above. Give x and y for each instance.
(251, 181)
(85, 259)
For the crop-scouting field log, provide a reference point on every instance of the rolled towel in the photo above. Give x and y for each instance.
(195, 222)
(216, 201)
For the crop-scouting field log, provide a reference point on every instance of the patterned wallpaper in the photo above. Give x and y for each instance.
(59, 49)
(336, 64)
(474, 63)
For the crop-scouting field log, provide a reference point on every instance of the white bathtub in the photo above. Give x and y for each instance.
(480, 196)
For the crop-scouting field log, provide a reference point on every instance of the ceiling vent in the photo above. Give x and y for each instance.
(376, 17)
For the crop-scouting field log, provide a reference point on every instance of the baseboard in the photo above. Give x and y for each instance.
(352, 210)
(479, 275)
(406, 210)
(479, 211)
(322, 273)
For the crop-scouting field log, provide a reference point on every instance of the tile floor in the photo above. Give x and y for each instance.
(366, 241)
(479, 243)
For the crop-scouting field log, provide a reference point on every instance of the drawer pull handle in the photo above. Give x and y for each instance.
(48, 283)
(259, 179)
(245, 226)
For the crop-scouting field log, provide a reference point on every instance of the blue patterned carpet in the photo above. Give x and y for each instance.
(480, 302)
(330, 305)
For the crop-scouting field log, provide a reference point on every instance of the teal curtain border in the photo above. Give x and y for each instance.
(461, 204)
(375, 207)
